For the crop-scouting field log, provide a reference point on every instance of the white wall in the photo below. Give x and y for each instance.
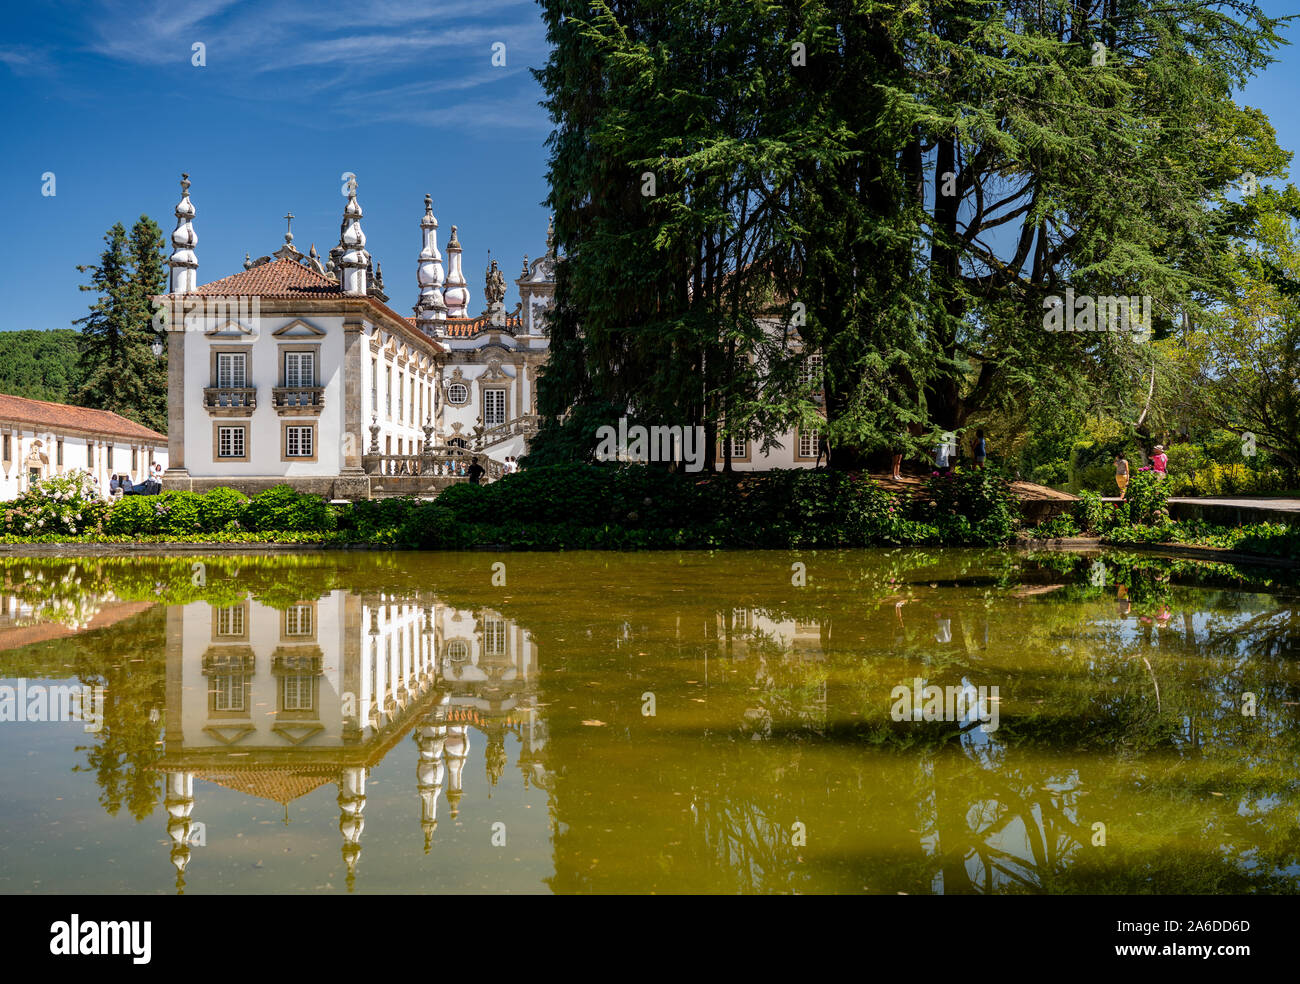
(13, 473)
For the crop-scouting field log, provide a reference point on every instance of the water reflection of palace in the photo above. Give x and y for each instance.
(277, 702)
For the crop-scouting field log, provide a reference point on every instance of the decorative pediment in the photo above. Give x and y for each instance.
(299, 329)
(230, 329)
(229, 734)
(494, 373)
(457, 375)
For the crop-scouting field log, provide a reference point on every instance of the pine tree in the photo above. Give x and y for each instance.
(117, 367)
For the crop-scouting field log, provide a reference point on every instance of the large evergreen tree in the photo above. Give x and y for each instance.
(117, 366)
(910, 182)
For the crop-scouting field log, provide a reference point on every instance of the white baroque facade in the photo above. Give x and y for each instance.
(297, 370)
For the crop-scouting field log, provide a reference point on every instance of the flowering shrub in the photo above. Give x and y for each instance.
(1147, 495)
(982, 498)
(61, 505)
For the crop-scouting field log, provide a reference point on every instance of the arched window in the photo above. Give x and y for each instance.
(457, 651)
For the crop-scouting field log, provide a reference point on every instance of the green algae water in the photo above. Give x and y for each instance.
(907, 721)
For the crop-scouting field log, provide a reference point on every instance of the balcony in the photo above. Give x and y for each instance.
(298, 401)
(225, 401)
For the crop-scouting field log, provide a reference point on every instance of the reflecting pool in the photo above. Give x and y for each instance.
(914, 721)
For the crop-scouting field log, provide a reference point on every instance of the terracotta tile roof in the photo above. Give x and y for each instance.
(280, 785)
(279, 278)
(41, 415)
(286, 278)
(109, 614)
(468, 327)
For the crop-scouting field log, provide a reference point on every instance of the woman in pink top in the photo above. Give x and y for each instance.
(1160, 461)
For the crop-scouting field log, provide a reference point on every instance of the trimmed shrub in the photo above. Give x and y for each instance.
(222, 509)
(284, 508)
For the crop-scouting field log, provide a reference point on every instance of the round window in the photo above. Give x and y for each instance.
(457, 393)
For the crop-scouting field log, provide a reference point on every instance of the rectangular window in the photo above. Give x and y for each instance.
(739, 447)
(135, 459)
(298, 442)
(494, 407)
(297, 693)
(374, 385)
(230, 621)
(494, 637)
(400, 402)
(90, 454)
(230, 442)
(388, 390)
(299, 369)
(8, 455)
(297, 620)
(58, 453)
(811, 371)
(232, 370)
(108, 454)
(807, 444)
(228, 693)
(411, 405)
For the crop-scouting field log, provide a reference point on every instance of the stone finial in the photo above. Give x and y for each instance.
(354, 259)
(184, 264)
(456, 293)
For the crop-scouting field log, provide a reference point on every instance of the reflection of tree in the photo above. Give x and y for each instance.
(127, 660)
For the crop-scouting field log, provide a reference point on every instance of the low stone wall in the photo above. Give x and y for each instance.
(351, 487)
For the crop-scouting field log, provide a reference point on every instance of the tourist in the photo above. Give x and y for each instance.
(980, 450)
(156, 473)
(125, 484)
(941, 459)
(1121, 474)
(114, 486)
(1160, 461)
(475, 471)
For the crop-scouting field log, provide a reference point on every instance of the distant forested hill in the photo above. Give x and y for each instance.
(40, 365)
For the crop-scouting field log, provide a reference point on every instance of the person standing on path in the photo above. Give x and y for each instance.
(1160, 462)
(475, 471)
(980, 448)
(1121, 474)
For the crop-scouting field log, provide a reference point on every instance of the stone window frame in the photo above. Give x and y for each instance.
(245, 350)
(217, 457)
(799, 434)
(286, 636)
(748, 456)
(463, 385)
(285, 348)
(242, 637)
(284, 441)
(483, 385)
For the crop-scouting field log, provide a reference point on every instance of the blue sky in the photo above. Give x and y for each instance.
(404, 94)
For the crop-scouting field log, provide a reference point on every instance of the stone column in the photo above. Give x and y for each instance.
(352, 483)
(176, 477)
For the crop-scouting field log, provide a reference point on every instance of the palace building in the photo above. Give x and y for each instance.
(297, 370)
